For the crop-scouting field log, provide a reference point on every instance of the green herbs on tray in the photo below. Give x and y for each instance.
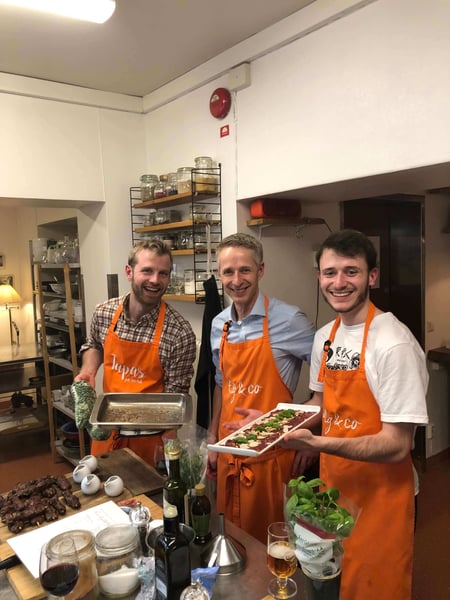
(319, 508)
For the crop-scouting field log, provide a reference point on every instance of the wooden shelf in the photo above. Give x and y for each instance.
(175, 199)
(294, 222)
(165, 226)
(180, 297)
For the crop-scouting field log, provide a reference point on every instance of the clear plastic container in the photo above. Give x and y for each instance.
(118, 555)
(184, 179)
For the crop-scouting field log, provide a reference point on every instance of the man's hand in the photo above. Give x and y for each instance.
(211, 467)
(87, 377)
(248, 415)
(303, 460)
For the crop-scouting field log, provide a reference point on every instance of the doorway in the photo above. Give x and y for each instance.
(395, 225)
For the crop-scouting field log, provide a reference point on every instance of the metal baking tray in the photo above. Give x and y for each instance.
(141, 414)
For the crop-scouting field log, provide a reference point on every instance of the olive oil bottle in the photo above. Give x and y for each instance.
(172, 559)
(175, 489)
(201, 515)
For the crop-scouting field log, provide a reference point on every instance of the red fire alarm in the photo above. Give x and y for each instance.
(220, 103)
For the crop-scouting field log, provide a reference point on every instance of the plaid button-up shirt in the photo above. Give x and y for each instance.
(177, 345)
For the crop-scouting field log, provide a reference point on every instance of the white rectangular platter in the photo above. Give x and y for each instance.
(272, 437)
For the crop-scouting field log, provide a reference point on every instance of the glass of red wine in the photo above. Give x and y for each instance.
(59, 566)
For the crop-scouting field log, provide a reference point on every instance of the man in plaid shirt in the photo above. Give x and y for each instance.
(145, 345)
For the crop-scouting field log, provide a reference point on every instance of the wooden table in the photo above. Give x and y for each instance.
(251, 583)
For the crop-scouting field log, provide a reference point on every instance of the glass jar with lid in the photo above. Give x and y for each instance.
(118, 556)
(184, 175)
(203, 162)
(172, 184)
(160, 187)
(148, 183)
(205, 179)
(87, 584)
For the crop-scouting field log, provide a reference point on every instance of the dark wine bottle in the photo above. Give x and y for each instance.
(201, 515)
(174, 487)
(172, 559)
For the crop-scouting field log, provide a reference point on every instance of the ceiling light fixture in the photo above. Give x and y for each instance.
(97, 11)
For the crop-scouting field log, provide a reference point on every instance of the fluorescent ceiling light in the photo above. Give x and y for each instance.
(97, 11)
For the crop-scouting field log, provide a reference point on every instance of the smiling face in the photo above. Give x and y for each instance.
(149, 278)
(240, 275)
(344, 283)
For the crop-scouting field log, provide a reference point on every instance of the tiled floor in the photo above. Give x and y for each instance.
(27, 456)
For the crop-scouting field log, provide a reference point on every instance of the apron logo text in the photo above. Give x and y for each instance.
(335, 420)
(239, 389)
(128, 373)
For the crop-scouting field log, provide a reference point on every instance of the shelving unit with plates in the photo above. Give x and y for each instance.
(191, 222)
(59, 291)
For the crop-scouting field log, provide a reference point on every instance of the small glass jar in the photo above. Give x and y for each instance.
(118, 556)
(87, 584)
(149, 218)
(184, 179)
(200, 277)
(161, 187)
(189, 282)
(172, 184)
(148, 183)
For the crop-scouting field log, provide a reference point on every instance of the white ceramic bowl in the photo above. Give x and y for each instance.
(90, 461)
(90, 484)
(113, 485)
(80, 472)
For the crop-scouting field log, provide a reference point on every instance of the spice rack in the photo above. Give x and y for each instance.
(194, 227)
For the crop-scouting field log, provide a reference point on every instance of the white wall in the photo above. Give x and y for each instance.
(363, 95)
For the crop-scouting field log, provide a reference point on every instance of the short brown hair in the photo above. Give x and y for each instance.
(349, 242)
(154, 245)
(243, 240)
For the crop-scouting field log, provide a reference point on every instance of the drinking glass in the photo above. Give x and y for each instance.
(59, 570)
(281, 560)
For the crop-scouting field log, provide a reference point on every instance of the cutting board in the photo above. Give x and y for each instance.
(139, 477)
(28, 588)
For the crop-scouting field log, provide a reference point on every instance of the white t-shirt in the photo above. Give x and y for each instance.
(395, 365)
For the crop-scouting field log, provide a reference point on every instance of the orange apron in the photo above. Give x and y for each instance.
(132, 367)
(378, 555)
(250, 490)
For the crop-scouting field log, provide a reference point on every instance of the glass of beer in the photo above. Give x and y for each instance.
(281, 560)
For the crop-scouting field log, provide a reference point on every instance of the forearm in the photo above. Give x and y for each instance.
(91, 361)
(390, 445)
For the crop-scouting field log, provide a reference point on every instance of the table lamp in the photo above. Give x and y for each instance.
(8, 296)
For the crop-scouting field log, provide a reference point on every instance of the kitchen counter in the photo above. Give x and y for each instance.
(251, 583)
(440, 355)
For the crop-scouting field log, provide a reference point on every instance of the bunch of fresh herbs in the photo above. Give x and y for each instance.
(319, 507)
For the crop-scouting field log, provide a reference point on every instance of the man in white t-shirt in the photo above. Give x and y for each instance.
(369, 375)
